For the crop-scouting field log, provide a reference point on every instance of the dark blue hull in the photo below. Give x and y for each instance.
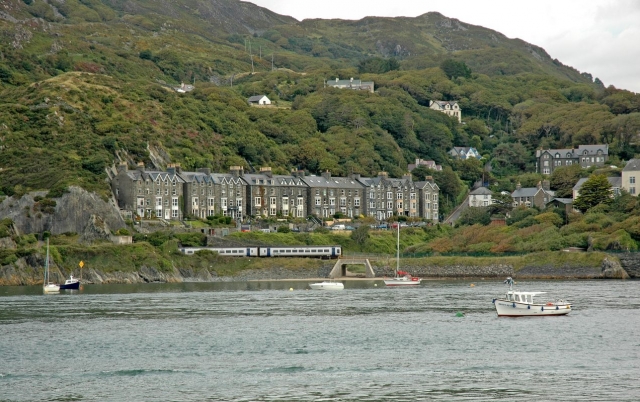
(74, 285)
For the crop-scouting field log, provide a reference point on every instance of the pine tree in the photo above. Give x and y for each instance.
(596, 190)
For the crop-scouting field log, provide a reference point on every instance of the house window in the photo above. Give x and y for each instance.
(318, 201)
(632, 190)
(389, 195)
(272, 201)
(632, 180)
(356, 202)
(257, 201)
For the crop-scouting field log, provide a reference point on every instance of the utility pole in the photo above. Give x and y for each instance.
(252, 64)
(271, 61)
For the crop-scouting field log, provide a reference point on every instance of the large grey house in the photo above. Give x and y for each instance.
(585, 155)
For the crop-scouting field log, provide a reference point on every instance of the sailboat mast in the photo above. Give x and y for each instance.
(398, 250)
(46, 265)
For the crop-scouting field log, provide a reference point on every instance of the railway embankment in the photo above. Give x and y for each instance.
(28, 270)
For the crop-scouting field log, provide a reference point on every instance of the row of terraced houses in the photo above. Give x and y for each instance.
(175, 194)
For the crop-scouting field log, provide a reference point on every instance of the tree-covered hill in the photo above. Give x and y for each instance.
(87, 83)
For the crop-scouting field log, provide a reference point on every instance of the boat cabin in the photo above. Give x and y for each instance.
(521, 297)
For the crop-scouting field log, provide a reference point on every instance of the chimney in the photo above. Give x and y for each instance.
(429, 179)
(407, 176)
(546, 184)
(266, 170)
(518, 186)
(122, 167)
(140, 166)
(326, 175)
(337, 79)
(206, 171)
(355, 176)
(297, 173)
(383, 175)
(539, 185)
(171, 168)
(351, 80)
(178, 168)
(236, 171)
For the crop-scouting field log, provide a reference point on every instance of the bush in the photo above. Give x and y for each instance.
(284, 229)
(191, 239)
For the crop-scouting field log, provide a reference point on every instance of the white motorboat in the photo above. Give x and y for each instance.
(401, 278)
(521, 304)
(327, 285)
(47, 286)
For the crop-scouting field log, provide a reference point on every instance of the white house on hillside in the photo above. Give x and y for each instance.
(480, 197)
(351, 84)
(259, 100)
(450, 108)
(465, 153)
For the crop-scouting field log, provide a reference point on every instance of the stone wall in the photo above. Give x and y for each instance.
(28, 271)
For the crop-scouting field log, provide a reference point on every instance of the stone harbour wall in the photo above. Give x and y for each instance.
(28, 271)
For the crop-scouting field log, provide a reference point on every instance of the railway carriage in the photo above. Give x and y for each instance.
(285, 251)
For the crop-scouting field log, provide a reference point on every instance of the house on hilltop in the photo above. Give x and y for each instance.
(351, 84)
(427, 164)
(533, 196)
(259, 100)
(450, 108)
(586, 156)
(465, 153)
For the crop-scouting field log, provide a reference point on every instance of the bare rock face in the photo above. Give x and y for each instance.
(613, 270)
(77, 211)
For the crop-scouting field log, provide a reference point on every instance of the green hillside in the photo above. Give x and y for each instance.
(87, 83)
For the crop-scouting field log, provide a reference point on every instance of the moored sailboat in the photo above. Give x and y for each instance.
(401, 278)
(47, 286)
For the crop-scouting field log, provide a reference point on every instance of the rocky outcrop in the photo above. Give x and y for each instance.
(612, 269)
(77, 211)
(630, 262)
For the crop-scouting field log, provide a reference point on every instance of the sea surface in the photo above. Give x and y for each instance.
(279, 341)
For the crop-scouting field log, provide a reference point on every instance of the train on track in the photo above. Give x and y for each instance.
(326, 252)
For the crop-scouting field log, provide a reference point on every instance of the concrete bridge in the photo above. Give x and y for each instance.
(340, 268)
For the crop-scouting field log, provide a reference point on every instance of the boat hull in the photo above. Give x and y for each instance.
(71, 286)
(506, 308)
(51, 288)
(327, 286)
(403, 282)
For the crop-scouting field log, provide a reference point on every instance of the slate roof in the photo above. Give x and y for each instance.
(333, 182)
(616, 182)
(632, 166)
(481, 191)
(256, 98)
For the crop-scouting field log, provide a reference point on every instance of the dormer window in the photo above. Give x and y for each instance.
(557, 155)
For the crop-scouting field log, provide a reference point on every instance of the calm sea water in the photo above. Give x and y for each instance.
(261, 341)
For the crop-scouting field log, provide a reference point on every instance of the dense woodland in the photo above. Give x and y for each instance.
(85, 84)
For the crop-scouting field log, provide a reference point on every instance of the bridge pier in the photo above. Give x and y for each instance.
(340, 268)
